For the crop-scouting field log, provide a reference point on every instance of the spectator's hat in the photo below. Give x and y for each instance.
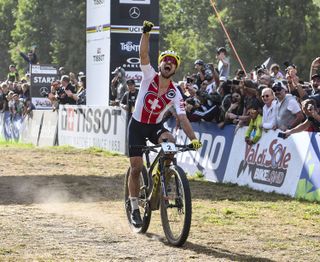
(14, 94)
(279, 85)
(199, 62)
(61, 68)
(221, 49)
(12, 66)
(315, 76)
(81, 74)
(130, 82)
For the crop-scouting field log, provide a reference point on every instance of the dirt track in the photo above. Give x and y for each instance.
(58, 205)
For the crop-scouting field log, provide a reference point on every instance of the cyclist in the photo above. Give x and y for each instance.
(156, 95)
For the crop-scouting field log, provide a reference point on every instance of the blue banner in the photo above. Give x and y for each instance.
(12, 126)
(211, 160)
(309, 183)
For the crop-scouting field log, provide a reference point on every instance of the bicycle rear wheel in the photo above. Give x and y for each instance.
(144, 208)
(176, 209)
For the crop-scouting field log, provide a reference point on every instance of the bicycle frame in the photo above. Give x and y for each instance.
(160, 159)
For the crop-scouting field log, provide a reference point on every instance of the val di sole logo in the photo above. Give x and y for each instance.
(129, 46)
(134, 12)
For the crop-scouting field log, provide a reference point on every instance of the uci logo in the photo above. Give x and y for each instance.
(134, 12)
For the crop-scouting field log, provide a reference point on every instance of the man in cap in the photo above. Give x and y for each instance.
(156, 95)
(289, 113)
(129, 98)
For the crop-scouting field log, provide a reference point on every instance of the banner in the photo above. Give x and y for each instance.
(12, 126)
(31, 126)
(309, 182)
(83, 127)
(49, 128)
(41, 78)
(2, 126)
(272, 164)
(211, 160)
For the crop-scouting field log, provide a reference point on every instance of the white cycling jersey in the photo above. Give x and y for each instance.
(150, 107)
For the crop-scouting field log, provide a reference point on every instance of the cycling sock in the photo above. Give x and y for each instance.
(134, 203)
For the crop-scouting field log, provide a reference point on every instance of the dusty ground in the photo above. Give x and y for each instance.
(66, 205)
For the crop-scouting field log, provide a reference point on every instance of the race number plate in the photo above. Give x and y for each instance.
(168, 147)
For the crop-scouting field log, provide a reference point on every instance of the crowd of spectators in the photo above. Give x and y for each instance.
(263, 99)
(15, 90)
(273, 98)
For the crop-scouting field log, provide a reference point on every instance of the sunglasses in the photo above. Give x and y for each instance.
(265, 96)
(277, 89)
(170, 59)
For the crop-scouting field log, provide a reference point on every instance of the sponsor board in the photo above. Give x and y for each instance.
(41, 78)
(31, 127)
(12, 126)
(126, 46)
(211, 160)
(136, 75)
(140, 2)
(98, 12)
(97, 68)
(1, 125)
(48, 132)
(134, 13)
(272, 164)
(83, 127)
(309, 182)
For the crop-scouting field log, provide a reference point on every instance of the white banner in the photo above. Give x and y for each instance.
(98, 12)
(98, 68)
(273, 164)
(83, 127)
(140, 2)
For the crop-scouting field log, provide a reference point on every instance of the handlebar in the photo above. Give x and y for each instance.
(182, 148)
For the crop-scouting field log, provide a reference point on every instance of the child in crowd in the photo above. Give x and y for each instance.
(254, 130)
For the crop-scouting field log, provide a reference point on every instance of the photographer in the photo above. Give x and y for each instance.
(58, 93)
(202, 106)
(206, 72)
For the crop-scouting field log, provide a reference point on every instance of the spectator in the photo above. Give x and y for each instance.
(312, 123)
(275, 72)
(80, 96)
(5, 92)
(223, 63)
(235, 111)
(52, 96)
(31, 57)
(129, 99)
(254, 131)
(62, 71)
(289, 113)
(118, 86)
(25, 94)
(13, 75)
(269, 109)
(62, 96)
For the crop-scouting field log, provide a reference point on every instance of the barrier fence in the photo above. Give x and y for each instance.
(287, 166)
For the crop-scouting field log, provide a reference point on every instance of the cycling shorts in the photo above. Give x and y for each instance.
(138, 133)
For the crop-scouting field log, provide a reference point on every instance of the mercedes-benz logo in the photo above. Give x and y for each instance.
(134, 12)
(44, 90)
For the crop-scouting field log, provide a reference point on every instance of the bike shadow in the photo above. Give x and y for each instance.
(217, 253)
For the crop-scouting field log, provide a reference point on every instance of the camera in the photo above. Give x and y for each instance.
(60, 91)
(235, 82)
(282, 135)
(189, 80)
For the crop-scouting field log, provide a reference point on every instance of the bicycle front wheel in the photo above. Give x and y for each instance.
(176, 209)
(144, 208)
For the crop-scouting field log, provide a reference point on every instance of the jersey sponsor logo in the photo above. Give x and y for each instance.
(153, 104)
(171, 94)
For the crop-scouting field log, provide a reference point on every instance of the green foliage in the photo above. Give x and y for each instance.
(7, 9)
(285, 30)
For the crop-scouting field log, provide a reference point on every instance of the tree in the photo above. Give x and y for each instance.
(7, 10)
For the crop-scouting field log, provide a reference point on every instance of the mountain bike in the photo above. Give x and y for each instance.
(164, 186)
